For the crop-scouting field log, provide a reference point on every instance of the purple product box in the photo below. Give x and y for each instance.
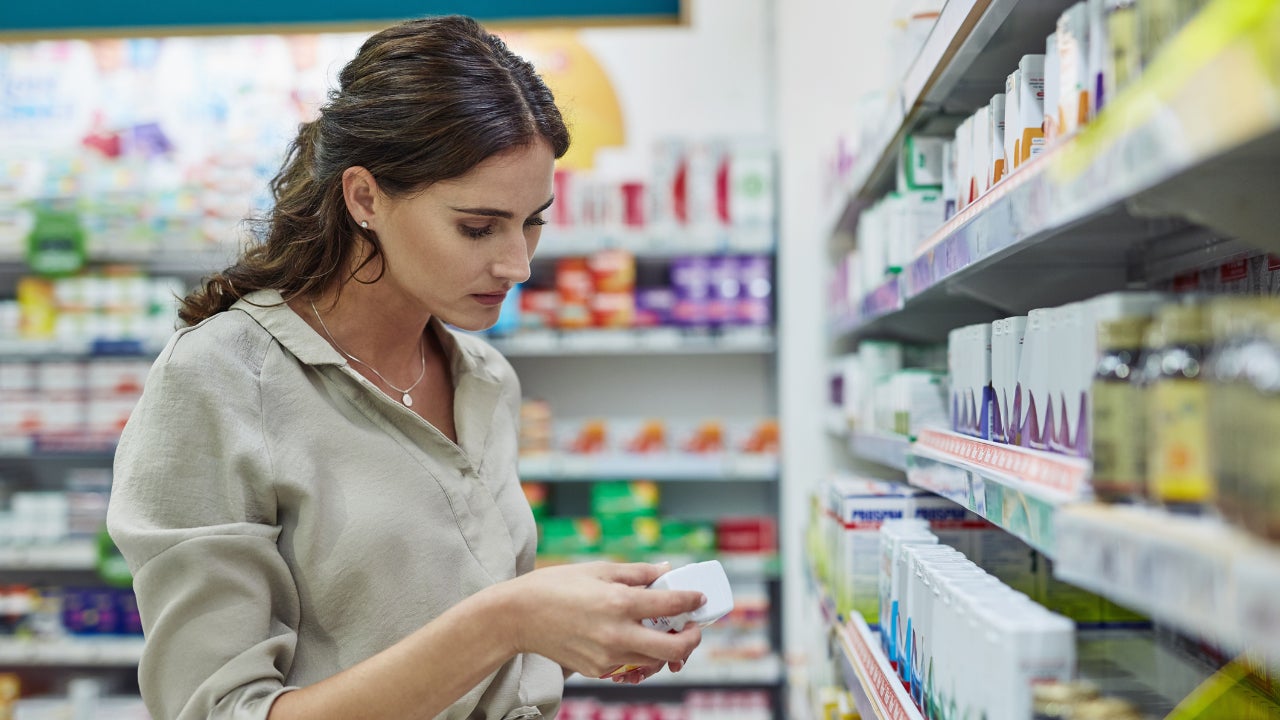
(755, 299)
(726, 290)
(654, 306)
(691, 281)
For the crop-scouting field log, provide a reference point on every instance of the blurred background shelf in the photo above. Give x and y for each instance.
(71, 652)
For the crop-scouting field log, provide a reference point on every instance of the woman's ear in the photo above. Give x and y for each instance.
(360, 191)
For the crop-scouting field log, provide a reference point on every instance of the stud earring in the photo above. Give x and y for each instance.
(364, 224)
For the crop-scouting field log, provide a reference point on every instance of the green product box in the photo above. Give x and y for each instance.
(568, 536)
(624, 499)
(684, 537)
(630, 538)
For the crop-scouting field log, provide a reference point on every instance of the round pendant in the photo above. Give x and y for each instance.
(408, 401)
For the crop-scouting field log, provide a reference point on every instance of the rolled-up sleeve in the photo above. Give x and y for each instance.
(193, 510)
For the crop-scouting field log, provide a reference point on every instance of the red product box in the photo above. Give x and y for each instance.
(539, 308)
(747, 535)
(613, 271)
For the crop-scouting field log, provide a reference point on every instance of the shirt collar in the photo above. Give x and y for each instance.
(269, 310)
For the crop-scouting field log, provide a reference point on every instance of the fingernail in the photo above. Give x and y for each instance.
(703, 601)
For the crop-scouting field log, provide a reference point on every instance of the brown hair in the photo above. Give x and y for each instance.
(422, 101)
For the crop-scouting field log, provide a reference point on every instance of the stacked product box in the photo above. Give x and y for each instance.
(69, 400)
(965, 640)
(600, 291)
(1097, 49)
(1027, 380)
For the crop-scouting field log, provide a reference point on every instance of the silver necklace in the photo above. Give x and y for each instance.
(404, 394)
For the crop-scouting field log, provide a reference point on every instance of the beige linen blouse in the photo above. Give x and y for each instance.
(285, 519)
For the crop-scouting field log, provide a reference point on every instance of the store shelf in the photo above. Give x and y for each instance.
(51, 446)
(66, 555)
(186, 263)
(1124, 199)
(656, 244)
(888, 450)
(1017, 488)
(656, 341)
(1195, 573)
(742, 566)
(877, 691)
(972, 48)
(72, 651)
(702, 672)
(81, 349)
(573, 468)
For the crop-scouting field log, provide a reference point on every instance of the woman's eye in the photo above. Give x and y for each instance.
(535, 221)
(475, 233)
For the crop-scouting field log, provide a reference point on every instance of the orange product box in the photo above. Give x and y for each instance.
(702, 438)
(539, 308)
(613, 310)
(646, 437)
(758, 437)
(587, 437)
(574, 288)
(613, 271)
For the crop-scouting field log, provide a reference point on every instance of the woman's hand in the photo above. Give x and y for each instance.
(587, 618)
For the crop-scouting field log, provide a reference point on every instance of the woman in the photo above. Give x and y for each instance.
(317, 493)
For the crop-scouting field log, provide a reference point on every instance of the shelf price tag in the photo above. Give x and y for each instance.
(56, 243)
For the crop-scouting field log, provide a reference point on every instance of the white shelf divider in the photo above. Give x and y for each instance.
(765, 671)
(65, 555)
(656, 341)
(558, 467)
(72, 651)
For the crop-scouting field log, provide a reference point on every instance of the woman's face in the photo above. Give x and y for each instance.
(457, 247)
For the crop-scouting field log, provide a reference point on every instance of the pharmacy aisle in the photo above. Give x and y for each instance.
(1052, 348)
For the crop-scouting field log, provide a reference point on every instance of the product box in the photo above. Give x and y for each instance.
(582, 437)
(536, 493)
(754, 306)
(624, 499)
(981, 156)
(562, 537)
(747, 534)
(919, 400)
(1052, 89)
(574, 288)
(646, 436)
(654, 307)
(685, 537)
(1032, 93)
(949, 191)
(1012, 123)
(964, 164)
(1099, 53)
(751, 185)
(698, 437)
(920, 164)
(629, 537)
(725, 290)
(860, 506)
(1006, 352)
(1074, 94)
(539, 309)
(691, 282)
(893, 535)
(969, 360)
(1034, 405)
(995, 127)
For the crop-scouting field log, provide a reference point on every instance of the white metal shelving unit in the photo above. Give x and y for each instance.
(1150, 189)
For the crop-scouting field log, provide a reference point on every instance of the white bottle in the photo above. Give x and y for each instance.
(707, 578)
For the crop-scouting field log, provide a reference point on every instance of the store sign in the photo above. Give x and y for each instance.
(76, 17)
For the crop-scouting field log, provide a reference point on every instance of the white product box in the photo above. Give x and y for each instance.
(108, 415)
(862, 505)
(1006, 352)
(981, 150)
(899, 590)
(932, 654)
(62, 415)
(60, 376)
(949, 185)
(17, 376)
(1030, 139)
(996, 125)
(123, 377)
(1012, 125)
(922, 568)
(964, 164)
(1073, 69)
(1034, 368)
(920, 165)
(893, 534)
(1023, 649)
(1051, 89)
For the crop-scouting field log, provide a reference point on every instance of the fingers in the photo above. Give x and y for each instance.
(655, 603)
(636, 574)
(668, 647)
